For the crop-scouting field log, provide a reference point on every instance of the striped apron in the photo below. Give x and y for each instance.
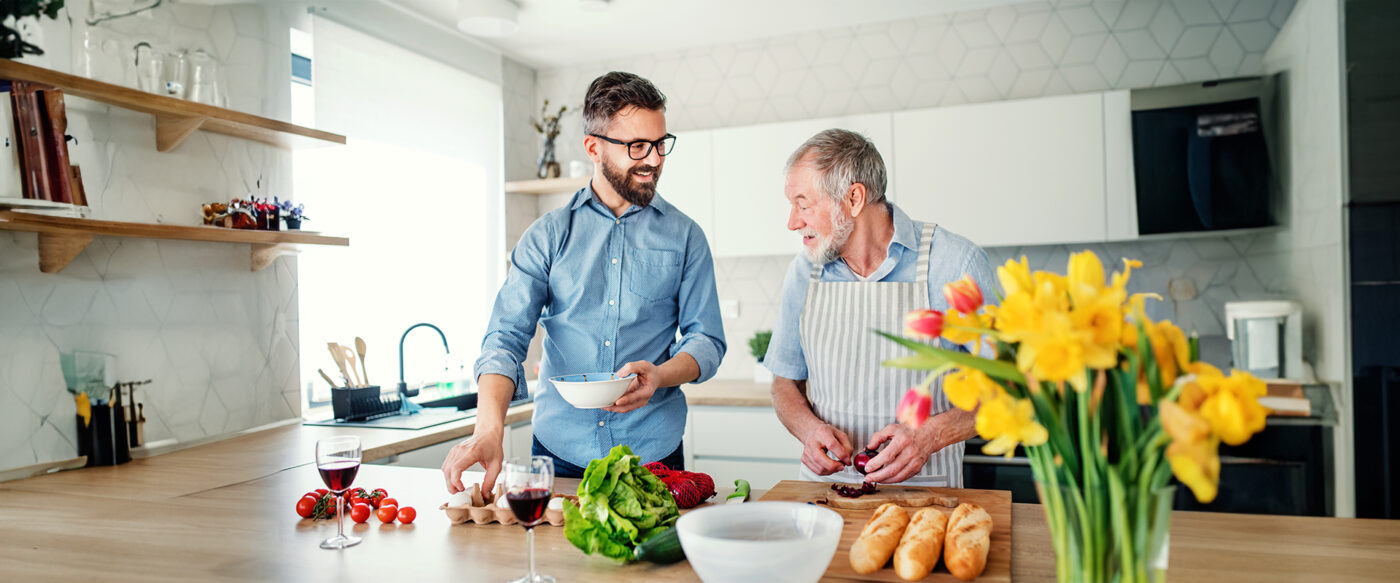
(846, 384)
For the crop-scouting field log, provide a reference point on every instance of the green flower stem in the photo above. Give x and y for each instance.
(1119, 515)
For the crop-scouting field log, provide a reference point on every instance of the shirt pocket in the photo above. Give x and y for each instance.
(654, 275)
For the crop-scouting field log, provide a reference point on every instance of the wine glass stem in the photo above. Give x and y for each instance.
(339, 516)
(530, 544)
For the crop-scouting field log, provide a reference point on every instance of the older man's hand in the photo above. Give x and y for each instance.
(906, 453)
(825, 438)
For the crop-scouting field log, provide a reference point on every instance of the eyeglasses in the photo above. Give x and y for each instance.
(640, 149)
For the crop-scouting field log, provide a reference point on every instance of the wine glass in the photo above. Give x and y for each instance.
(529, 484)
(338, 460)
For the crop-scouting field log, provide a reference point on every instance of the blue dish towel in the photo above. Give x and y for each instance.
(408, 407)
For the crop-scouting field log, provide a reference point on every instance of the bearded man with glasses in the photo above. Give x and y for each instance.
(621, 281)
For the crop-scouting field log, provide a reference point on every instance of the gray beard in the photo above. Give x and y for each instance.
(827, 251)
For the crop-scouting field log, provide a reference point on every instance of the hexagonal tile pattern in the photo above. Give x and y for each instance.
(179, 314)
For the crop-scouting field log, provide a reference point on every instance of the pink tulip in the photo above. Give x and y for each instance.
(923, 324)
(963, 295)
(913, 408)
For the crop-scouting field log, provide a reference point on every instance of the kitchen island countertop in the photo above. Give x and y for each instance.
(729, 393)
(223, 511)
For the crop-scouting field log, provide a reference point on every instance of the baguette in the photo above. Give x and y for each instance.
(967, 542)
(878, 539)
(918, 551)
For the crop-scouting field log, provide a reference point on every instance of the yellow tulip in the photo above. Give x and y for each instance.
(1006, 422)
(1197, 464)
(1015, 277)
(965, 387)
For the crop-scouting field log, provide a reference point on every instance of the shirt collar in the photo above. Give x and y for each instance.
(587, 194)
(906, 233)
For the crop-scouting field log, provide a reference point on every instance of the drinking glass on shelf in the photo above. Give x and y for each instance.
(175, 74)
(529, 484)
(338, 460)
(204, 86)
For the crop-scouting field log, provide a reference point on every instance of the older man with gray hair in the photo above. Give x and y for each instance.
(866, 265)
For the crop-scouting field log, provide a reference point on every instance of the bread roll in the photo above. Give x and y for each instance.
(878, 539)
(922, 543)
(968, 539)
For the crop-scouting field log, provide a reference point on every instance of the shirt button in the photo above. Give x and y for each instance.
(610, 302)
(600, 424)
(607, 343)
(617, 221)
(614, 261)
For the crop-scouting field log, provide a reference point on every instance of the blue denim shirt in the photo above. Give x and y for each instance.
(607, 290)
(952, 254)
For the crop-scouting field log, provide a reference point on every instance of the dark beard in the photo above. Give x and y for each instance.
(621, 181)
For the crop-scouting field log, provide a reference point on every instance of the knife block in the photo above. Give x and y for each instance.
(97, 440)
(363, 403)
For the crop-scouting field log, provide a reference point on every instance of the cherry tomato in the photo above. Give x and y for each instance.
(360, 512)
(387, 514)
(306, 506)
(407, 514)
(358, 493)
(321, 491)
(329, 508)
(388, 502)
(380, 493)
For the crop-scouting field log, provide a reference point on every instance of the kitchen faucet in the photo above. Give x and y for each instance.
(403, 387)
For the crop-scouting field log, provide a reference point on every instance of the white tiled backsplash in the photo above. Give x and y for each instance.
(218, 342)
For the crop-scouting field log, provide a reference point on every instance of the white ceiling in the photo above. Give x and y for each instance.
(559, 32)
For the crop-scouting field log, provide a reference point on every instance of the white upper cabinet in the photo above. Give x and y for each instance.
(1024, 172)
(750, 211)
(687, 179)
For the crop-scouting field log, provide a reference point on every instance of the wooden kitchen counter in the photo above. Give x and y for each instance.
(224, 512)
(729, 393)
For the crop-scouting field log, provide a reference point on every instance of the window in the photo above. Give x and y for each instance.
(417, 189)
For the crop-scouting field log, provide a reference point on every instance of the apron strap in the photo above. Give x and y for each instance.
(816, 275)
(925, 257)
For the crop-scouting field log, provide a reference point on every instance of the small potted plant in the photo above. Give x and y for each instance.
(269, 215)
(758, 346)
(548, 128)
(293, 215)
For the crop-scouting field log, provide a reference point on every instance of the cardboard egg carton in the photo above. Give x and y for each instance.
(483, 511)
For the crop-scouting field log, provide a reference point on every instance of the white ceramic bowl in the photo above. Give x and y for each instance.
(591, 390)
(765, 542)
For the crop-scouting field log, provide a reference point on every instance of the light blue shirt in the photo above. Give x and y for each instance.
(952, 257)
(608, 290)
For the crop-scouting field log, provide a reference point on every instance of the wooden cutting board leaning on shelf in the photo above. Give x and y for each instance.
(996, 502)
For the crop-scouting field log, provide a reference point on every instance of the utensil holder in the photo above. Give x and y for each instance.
(95, 440)
(362, 403)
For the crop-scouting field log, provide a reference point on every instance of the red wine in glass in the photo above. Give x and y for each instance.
(528, 505)
(339, 475)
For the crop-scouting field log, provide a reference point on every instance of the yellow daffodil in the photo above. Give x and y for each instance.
(1197, 464)
(1086, 280)
(956, 327)
(1017, 318)
(966, 387)
(1015, 277)
(1006, 422)
(1100, 322)
(1056, 354)
(1181, 424)
(1233, 408)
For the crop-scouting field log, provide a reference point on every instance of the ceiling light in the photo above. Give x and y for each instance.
(488, 18)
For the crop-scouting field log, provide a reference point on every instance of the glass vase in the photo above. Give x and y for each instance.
(548, 166)
(1117, 534)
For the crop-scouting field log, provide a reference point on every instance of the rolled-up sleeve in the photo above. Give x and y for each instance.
(784, 357)
(516, 312)
(700, 326)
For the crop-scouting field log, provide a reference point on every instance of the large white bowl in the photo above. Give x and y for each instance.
(591, 390)
(766, 542)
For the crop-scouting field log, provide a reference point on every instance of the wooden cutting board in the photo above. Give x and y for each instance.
(996, 502)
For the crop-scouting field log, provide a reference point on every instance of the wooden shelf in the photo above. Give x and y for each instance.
(546, 186)
(176, 119)
(62, 238)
